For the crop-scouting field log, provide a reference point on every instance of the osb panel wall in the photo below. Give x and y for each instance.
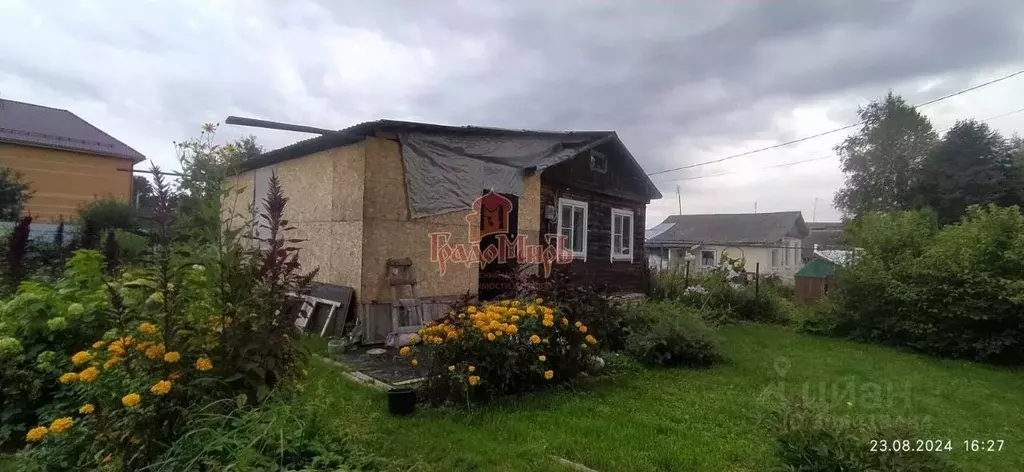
(384, 239)
(529, 204)
(346, 255)
(349, 182)
(64, 181)
(389, 232)
(308, 182)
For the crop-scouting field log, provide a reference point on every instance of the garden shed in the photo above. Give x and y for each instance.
(815, 280)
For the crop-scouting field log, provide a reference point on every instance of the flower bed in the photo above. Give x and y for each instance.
(479, 352)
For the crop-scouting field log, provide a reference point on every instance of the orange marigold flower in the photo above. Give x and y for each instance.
(491, 337)
(415, 363)
(473, 380)
(542, 358)
(535, 339)
(172, 357)
(591, 339)
(37, 434)
(578, 324)
(98, 344)
(583, 329)
(60, 425)
(548, 374)
(161, 388)
(88, 375)
(68, 377)
(80, 357)
(111, 362)
(131, 400)
(404, 351)
(155, 351)
(548, 322)
(147, 328)
(204, 364)
(87, 409)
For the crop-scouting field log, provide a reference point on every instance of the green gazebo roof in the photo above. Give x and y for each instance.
(817, 269)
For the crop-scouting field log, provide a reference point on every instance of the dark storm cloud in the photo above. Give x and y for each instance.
(660, 70)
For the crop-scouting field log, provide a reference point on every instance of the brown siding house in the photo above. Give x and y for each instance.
(66, 161)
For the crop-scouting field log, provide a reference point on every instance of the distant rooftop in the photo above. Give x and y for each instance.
(40, 126)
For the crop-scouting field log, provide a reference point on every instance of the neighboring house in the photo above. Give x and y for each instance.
(66, 161)
(388, 190)
(824, 235)
(773, 240)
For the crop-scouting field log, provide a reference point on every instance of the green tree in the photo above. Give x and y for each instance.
(881, 159)
(971, 165)
(13, 195)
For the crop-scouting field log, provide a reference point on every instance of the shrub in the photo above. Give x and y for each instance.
(807, 439)
(670, 333)
(587, 303)
(954, 291)
(499, 348)
(110, 213)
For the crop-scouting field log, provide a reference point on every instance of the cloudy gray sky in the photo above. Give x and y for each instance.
(682, 82)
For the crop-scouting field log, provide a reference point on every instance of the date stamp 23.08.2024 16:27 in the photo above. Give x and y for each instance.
(936, 445)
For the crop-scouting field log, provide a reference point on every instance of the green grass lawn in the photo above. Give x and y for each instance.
(696, 419)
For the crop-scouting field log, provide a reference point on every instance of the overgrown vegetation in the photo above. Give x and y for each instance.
(954, 292)
(670, 333)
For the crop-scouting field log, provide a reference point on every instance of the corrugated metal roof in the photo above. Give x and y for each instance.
(738, 228)
(40, 126)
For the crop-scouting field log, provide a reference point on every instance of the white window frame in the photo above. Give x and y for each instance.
(714, 257)
(565, 202)
(619, 256)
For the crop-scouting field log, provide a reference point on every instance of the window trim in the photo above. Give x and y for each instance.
(563, 202)
(622, 257)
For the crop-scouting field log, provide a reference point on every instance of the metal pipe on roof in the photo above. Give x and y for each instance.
(241, 121)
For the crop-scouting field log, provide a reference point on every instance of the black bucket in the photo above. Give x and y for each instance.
(401, 401)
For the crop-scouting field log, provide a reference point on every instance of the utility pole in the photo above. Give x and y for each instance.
(755, 206)
(679, 196)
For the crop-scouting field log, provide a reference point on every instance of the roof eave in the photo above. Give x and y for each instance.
(92, 152)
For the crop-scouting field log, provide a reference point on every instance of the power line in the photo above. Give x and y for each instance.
(787, 164)
(800, 140)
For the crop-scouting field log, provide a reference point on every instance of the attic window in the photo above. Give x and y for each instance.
(598, 162)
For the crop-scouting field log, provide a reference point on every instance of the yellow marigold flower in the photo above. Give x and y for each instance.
(530, 310)
(591, 340)
(548, 374)
(68, 377)
(111, 362)
(155, 351)
(172, 357)
(542, 358)
(513, 311)
(512, 329)
(539, 301)
(471, 369)
(36, 434)
(131, 400)
(147, 328)
(415, 363)
(491, 337)
(578, 324)
(161, 387)
(128, 341)
(515, 302)
(583, 329)
(565, 322)
(404, 351)
(451, 368)
(116, 348)
(548, 322)
(143, 346)
(471, 309)
(98, 344)
(80, 357)
(473, 380)
(204, 364)
(535, 339)
(88, 375)
(515, 318)
(87, 409)
(60, 425)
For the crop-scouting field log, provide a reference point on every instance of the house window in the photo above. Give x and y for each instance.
(622, 234)
(572, 224)
(707, 258)
(775, 257)
(598, 162)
